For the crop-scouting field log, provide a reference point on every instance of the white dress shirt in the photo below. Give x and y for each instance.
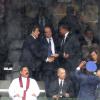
(33, 36)
(64, 39)
(66, 36)
(52, 45)
(60, 81)
(15, 88)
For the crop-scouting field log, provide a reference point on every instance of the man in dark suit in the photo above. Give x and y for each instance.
(31, 55)
(62, 87)
(69, 49)
(49, 49)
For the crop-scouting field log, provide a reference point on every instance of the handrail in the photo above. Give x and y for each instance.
(6, 91)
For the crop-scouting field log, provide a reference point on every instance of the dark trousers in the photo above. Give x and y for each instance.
(49, 76)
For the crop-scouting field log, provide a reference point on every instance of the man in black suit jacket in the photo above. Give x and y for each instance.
(62, 87)
(69, 49)
(49, 49)
(31, 55)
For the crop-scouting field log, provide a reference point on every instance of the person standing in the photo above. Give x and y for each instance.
(69, 54)
(50, 64)
(31, 54)
(88, 81)
(23, 87)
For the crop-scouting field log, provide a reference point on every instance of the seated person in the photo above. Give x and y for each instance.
(62, 87)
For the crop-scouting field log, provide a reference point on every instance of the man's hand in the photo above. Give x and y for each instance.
(17, 95)
(33, 94)
(55, 55)
(82, 64)
(55, 97)
(66, 95)
(65, 55)
(51, 59)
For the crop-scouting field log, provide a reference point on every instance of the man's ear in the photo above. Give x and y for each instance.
(57, 75)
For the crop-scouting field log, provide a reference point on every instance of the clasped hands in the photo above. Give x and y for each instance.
(53, 57)
(18, 95)
(56, 97)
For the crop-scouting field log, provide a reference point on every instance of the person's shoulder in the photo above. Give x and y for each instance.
(68, 80)
(54, 81)
(29, 37)
(15, 80)
(33, 80)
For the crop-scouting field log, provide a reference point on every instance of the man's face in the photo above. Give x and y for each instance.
(94, 56)
(62, 31)
(61, 74)
(25, 72)
(36, 32)
(48, 32)
(89, 35)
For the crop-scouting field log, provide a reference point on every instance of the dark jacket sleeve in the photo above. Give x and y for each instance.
(70, 89)
(72, 46)
(53, 90)
(79, 75)
(35, 48)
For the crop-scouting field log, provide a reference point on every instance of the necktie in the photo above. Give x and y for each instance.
(60, 88)
(62, 44)
(49, 48)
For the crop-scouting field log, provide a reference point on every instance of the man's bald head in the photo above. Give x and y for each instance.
(61, 73)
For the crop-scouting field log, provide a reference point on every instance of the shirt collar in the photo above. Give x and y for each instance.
(23, 77)
(66, 35)
(49, 38)
(33, 36)
(60, 80)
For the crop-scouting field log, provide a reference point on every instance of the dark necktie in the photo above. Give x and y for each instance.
(60, 87)
(62, 44)
(49, 48)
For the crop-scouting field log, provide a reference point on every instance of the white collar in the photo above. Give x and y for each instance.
(60, 80)
(23, 77)
(66, 35)
(33, 36)
(49, 38)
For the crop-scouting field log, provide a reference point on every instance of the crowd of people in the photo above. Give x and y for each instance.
(74, 57)
(46, 54)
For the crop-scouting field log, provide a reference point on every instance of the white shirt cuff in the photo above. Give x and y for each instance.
(78, 68)
(46, 60)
